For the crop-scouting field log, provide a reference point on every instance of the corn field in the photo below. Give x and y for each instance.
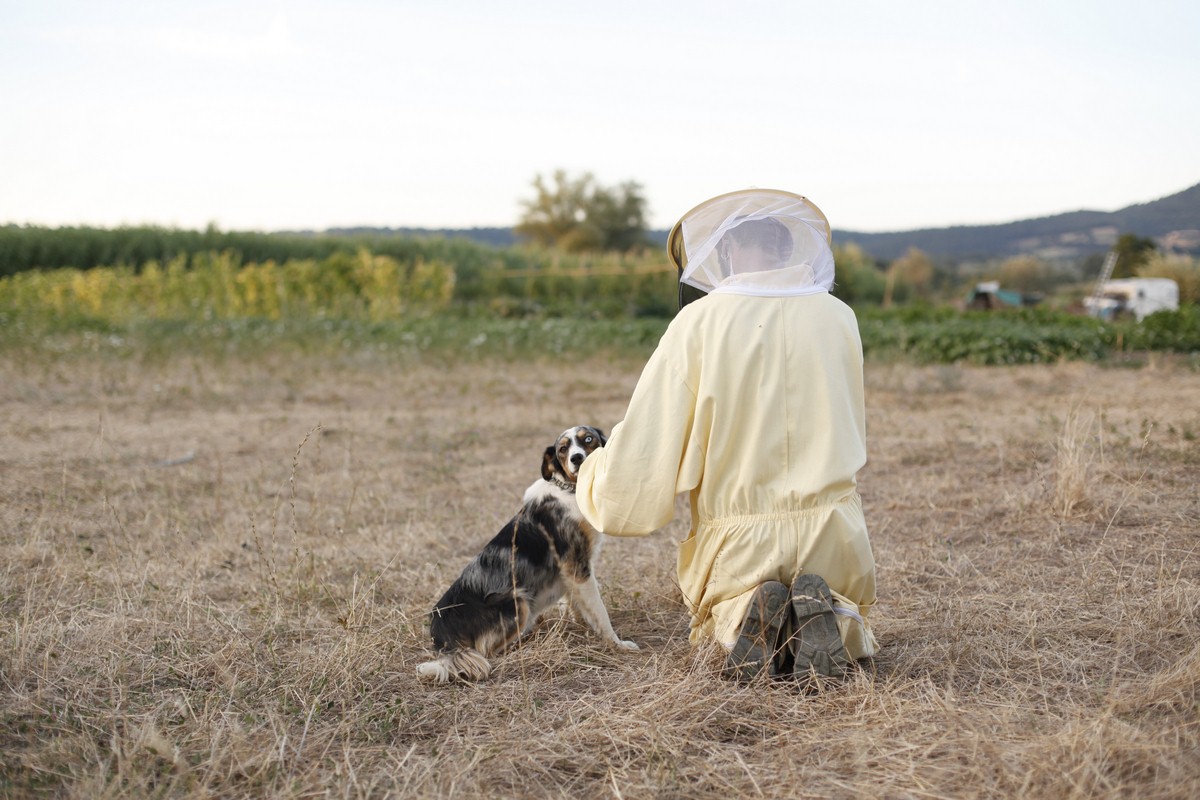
(216, 286)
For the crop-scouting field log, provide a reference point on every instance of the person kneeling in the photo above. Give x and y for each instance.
(752, 404)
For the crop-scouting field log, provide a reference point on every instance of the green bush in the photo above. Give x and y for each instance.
(1174, 331)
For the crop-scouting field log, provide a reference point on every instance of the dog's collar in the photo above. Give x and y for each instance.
(560, 483)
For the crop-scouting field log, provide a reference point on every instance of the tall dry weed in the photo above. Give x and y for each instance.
(1075, 458)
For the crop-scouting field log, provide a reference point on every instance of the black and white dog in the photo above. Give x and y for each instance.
(544, 553)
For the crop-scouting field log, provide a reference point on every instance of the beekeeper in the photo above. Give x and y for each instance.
(752, 404)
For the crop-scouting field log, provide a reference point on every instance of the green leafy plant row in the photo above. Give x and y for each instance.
(1030, 336)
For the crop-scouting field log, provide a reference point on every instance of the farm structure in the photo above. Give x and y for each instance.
(988, 296)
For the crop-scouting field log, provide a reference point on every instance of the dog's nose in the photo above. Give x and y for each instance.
(577, 459)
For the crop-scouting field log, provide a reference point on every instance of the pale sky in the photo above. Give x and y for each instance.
(274, 114)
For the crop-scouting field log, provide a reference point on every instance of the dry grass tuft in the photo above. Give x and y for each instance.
(245, 622)
(1074, 461)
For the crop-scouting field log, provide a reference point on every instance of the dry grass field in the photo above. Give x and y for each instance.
(215, 568)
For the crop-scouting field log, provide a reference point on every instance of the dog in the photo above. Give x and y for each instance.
(545, 553)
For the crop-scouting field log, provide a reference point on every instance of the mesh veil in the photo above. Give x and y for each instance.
(757, 242)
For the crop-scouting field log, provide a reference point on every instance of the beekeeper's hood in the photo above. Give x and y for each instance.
(757, 241)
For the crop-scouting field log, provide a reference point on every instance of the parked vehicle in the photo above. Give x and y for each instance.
(1140, 297)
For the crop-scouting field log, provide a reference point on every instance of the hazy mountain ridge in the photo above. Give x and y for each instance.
(1172, 221)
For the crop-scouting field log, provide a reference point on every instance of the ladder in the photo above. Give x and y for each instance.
(1106, 272)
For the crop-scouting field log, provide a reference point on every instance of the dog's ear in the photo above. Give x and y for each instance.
(603, 438)
(548, 461)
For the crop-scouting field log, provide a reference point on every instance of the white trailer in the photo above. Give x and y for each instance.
(1138, 296)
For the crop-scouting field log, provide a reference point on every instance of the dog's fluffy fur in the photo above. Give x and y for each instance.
(544, 553)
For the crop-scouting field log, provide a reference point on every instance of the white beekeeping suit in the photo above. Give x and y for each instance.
(752, 404)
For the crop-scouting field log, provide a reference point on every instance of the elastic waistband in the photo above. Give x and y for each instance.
(825, 506)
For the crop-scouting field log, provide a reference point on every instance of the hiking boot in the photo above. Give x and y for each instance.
(815, 644)
(759, 646)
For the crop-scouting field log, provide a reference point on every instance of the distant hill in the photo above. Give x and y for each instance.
(1173, 222)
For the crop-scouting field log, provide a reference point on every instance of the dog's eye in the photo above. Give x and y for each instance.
(587, 440)
(562, 448)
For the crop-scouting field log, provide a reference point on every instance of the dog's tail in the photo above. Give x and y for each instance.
(467, 664)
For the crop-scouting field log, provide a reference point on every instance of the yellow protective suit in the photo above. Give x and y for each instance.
(754, 406)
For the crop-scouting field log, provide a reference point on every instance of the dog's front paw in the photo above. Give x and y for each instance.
(625, 644)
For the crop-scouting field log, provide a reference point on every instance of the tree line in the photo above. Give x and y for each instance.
(29, 247)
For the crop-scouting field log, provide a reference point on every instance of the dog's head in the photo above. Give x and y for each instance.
(563, 458)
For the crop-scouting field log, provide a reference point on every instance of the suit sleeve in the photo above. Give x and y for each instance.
(628, 487)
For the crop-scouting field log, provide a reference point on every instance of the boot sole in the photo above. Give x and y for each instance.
(758, 642)
(816, 644)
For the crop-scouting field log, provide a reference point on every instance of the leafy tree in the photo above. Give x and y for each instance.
(912, 272)
(1024, 273)
(1091, 265)
(620, 215)
(1133, 252)
(856, 281)
(577, 214)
